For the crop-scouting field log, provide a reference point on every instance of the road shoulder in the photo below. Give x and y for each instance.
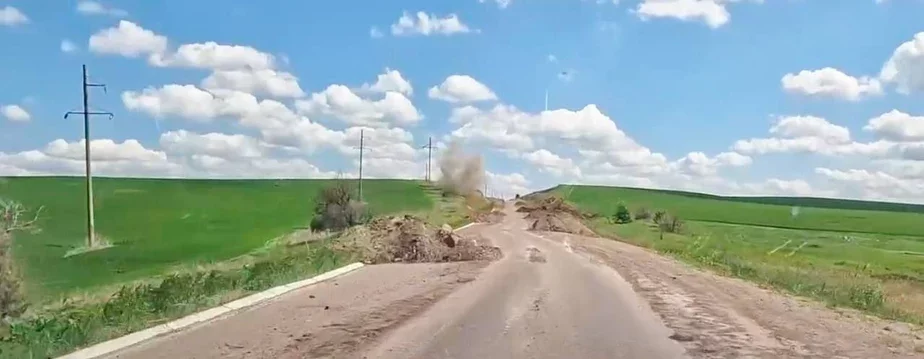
(332, 319)
(715, 316)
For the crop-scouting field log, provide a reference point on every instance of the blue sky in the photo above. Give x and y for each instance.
(774, 97)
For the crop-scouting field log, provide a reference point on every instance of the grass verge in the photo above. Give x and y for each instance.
(135, 307)
(871, 273)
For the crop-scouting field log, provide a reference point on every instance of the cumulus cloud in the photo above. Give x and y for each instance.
(340, 102)
(11, 16)
(216, 145)
(461, 89)
(127, 39)
(68, 46)
(830, 82)
(15, 113)
(88, 7)
(897, 126)
(391, 80)
(259, 82)
(424, 24)
(503, 4)
(212, 55)
(711, 12)
(905, 68)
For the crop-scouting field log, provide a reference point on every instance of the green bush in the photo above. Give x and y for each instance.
(336, 209)
(642, 214)
(622, 214)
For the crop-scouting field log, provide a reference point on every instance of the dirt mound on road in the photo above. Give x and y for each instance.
(548, 204)
(494, 216)
(551, 213)
(409, 239)
(557, 222)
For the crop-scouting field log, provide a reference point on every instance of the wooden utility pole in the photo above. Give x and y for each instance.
(429, 147)
(86, 139)
(361, 147)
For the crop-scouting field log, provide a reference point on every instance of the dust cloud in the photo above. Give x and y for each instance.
(461, 173)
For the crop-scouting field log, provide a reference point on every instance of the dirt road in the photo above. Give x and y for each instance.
(551, 296)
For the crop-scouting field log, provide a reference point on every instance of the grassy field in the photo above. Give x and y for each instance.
(157, 224)
(749, 211)
(833, 255)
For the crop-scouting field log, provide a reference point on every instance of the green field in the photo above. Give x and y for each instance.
(861, 217)
(158, 224)
(830, 254)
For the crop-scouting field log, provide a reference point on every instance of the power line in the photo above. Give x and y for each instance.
(86, 139)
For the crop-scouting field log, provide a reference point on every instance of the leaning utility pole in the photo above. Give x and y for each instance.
(86, 139)
(429, 147)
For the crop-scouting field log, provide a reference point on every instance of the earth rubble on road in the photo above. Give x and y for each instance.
(411, 240)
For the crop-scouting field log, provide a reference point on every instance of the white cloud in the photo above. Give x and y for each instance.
(391, 80)
(712, 12)
(104, 150)
(11, 16)
(375, 33)
(258, 82)
(67, 46)
(503, 4)
(426, 24)
(554, 164)
(897, 126)
(831, 82)
(217, 145)
(780, 187)
(875, 184)
(129, 40)
(804, 134)
(507, 185)
(342, 103)
(88, 7)
(905, 68)
(461, 89)
(699, 164)
(15, 113)
(215, 56)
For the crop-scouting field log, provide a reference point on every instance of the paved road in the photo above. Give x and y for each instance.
(542, 300)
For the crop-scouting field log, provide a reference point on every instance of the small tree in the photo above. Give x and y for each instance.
(12, 218)
(642, 214)
(659, 217)
(670, 224)
(622, 214)
(335, 208)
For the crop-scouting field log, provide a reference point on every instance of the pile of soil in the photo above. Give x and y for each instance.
(495, 216)
(551, 213)
(548, 204)
(409, 239)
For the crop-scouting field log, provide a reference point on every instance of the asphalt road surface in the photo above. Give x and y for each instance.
(542, 300)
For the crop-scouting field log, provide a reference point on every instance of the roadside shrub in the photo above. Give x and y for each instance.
(642, 214)
(336, 209)
(12, 219)
(670, 224)
(659, 217)
(622, 214)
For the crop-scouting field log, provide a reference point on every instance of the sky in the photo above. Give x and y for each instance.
(735, 97)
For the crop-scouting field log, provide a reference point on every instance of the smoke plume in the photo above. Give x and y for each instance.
(461, 173)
